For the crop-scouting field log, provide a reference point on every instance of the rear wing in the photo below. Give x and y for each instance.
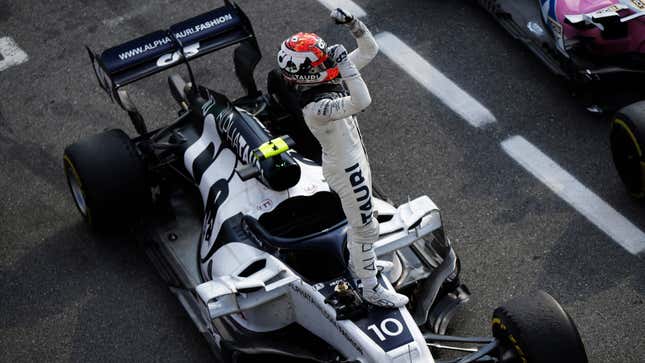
(160, 50)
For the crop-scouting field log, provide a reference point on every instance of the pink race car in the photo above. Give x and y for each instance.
(605, 28)
(582, 40)
(599, 47)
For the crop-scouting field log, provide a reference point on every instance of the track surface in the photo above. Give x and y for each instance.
(66, 295)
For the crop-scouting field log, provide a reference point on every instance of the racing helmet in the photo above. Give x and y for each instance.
(303, 59)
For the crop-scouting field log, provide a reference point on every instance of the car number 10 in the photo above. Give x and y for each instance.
(390, 327)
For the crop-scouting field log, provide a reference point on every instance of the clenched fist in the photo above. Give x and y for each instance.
(341, 16)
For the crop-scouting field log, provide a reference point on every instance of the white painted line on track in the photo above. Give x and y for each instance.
(577, 195)
(434, 81)
(11, 53)
(348, 5)
(596, 210)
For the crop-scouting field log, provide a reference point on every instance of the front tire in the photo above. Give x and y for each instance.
(536, 329)
(628, 145)
(107, 179)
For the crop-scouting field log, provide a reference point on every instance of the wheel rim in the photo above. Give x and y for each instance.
(77, 190)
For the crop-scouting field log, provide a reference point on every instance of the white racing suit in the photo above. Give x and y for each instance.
(344, 161)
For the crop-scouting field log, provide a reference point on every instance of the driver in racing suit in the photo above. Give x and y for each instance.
(329, 111)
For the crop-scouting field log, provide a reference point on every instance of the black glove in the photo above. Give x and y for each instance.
(354, 25)
(341, 16)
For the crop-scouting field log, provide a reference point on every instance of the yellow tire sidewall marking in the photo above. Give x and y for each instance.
(498, 322)
(624, 125)
(69, 162)
(629, 131)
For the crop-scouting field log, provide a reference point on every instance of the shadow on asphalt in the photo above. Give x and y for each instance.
(69, 266)
(106, 287)
(593, 266)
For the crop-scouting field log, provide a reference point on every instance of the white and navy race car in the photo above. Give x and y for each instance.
(250, 238)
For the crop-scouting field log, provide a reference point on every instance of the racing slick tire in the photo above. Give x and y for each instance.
(538, 330)
(627, 139)
(107, 179)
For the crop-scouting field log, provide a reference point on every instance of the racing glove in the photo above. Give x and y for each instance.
(338, 54)
(354, 25)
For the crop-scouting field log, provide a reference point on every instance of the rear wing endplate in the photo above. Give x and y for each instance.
(157, 51)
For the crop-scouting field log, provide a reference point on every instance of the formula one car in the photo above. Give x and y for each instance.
(599, 46)
(250, 238)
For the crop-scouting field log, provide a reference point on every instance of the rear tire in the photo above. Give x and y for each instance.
(627, 146)
(107, 179)
(538, 330)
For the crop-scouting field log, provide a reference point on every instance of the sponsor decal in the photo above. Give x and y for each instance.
(225, 123)
(172, 58)
(204, 26)
(265, 205)
(144, 48)
(306, 77)
(179, 35)
(305, 295)
(610, 9)
(639, 4)
(207, 106)
(362, 192)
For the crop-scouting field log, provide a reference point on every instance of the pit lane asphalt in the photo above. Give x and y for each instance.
(67, 295)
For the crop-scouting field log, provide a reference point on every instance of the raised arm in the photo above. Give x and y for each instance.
(338, 108)
(348, 65)
(367, 46)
